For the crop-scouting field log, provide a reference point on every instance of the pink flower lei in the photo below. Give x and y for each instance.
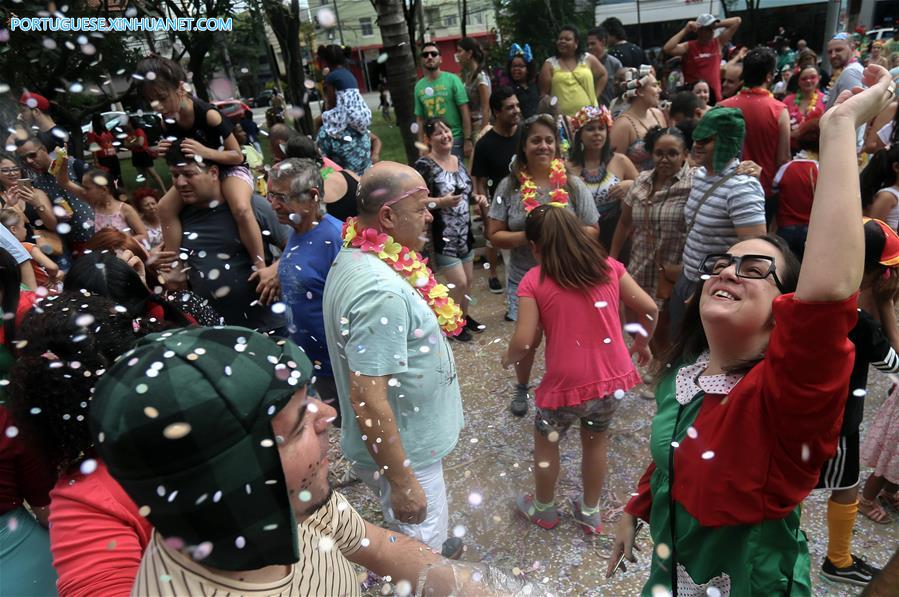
(413, 269)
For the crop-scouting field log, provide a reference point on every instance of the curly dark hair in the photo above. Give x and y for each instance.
(65, 344)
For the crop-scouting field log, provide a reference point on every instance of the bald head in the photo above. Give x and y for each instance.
(732, 80)
(278, 136)
(385, 181)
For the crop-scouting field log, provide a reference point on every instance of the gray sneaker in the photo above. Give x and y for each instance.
(545, 519)
(519, 405)
(590, 523)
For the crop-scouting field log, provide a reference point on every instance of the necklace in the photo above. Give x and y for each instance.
(412, 268)
(811, 102)
(558, 197)
(756, 91)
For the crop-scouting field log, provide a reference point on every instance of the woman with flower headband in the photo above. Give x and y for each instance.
(574, 294)
(608, 175)
(573, 78)
(522, 73)
(753, 392)
(450, 187)
(642, 114)
(538, 176)
(806, 103)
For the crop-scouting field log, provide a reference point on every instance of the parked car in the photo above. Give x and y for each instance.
(110, 119)
(883, 34)
(232, 109)
(264, 99)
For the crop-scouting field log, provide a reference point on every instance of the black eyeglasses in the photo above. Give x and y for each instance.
(752, 267)
(430, 54)
(12, 170)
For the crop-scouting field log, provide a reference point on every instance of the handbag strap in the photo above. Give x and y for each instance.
(705, 197)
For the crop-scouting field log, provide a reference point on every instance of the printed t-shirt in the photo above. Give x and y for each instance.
(441, 97)
(703, 63)
(377, 325)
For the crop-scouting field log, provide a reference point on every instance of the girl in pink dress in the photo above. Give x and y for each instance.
(880, 450)
(573, 295)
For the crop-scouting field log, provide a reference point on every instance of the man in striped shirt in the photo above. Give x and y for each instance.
(211, 433)
(723, 208)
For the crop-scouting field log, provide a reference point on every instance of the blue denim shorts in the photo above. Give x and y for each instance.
(446, 262)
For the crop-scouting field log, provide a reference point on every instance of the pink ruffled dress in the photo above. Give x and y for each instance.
(586, 356)
(880, 447)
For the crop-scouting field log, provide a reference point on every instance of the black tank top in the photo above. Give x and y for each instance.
(345, 207)
(210, 136)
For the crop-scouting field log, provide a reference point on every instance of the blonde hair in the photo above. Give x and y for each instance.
(10, 217)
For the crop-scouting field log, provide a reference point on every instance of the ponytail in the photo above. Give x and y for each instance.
(568, 255)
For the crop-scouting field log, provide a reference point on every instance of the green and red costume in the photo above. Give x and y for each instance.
(734, 456)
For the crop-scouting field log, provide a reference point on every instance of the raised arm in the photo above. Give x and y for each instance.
(835, 249)
(730, 29)
(676, 46)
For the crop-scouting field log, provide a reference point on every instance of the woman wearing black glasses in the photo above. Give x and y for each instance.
(16, 192)
(750, 403)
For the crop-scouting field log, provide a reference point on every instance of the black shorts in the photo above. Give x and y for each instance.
(141, 159)
(842, 471)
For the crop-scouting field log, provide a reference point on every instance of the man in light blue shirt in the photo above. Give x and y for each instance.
(393, 366)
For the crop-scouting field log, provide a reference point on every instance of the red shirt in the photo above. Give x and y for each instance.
(140, 141)
(104, 141)
(772, 432)
(702, 62)
(96, 535)
(761, 113)
(795, 184)
(24, 476)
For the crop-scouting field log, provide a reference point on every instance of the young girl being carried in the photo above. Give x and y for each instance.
(573, 294)
(208, 136)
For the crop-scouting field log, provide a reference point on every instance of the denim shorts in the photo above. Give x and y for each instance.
(512, 298)
(595, 415)
(446, 262)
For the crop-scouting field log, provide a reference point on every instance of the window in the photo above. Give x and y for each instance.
(450, 20)
(475, 19)
(432, 16)
(365, 24)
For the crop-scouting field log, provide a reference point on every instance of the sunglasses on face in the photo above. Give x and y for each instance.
(751, 267)
(430, 54)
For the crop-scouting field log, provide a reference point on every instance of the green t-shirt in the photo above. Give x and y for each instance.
(376, 324)
(441, 97)
(892, 47)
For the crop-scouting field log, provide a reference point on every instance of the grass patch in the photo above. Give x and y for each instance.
(392, 149)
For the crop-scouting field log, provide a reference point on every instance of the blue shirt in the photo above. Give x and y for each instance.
(302, 270)
(341, 79)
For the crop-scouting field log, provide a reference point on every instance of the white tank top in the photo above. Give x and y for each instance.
(893, 217)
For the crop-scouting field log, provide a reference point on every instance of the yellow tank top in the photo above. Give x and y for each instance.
(574, 89)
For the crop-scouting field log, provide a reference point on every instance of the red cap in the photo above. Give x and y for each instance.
(35, 100)
(890, 254)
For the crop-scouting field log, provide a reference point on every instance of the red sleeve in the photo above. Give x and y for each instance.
(96, 539)
(640, 504)
(528, 284)
(805, 382)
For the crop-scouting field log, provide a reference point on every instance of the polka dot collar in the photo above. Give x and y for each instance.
(689, 383)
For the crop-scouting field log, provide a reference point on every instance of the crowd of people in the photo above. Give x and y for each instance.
(716, 232)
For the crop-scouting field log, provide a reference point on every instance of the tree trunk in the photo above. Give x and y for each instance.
(198, 50)
(464, 17)
(401, 73)
(286, 26)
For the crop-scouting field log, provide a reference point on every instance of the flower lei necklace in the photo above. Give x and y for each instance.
(410, 265)
(812, 102)
(558, 197)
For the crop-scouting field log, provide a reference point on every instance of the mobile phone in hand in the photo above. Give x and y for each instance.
(458, 190)
(637, 528)
(24, 183)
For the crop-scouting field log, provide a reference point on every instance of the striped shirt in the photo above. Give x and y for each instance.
(737, 203)
(334, 531)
